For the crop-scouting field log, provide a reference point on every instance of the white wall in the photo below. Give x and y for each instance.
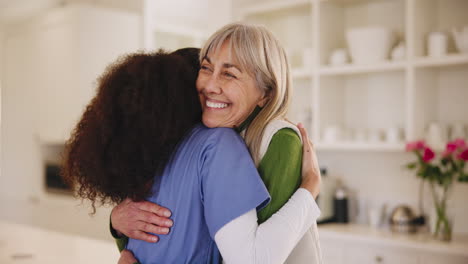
(1, 81)
(23, 197)
(206, 15)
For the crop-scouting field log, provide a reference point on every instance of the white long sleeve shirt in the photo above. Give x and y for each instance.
(244, 241)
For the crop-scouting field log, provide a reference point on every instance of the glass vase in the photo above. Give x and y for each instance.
(443, 224)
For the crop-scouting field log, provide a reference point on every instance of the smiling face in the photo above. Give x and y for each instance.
(228, 93)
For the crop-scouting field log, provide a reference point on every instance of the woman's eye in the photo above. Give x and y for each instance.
(205, 68)
(229, 75)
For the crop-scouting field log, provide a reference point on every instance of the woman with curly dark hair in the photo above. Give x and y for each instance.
(141, 138)
(115, 151)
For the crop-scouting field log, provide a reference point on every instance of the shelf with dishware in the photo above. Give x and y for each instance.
(359, 146)
(291, 22)
(360, 31)
(362, 68)
(362, 111)
(440, 104)
(446, 60)
(440, 36)
(356, 62)
(438, 28)
(302, 96)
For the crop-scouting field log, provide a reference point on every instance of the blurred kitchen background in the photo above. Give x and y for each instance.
(369, 76)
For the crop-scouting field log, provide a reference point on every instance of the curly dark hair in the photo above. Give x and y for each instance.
(144, 106)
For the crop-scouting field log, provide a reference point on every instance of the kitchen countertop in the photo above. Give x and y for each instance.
(384, 237)
(27, 244)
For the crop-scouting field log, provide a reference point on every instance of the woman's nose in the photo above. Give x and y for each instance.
(213, 85)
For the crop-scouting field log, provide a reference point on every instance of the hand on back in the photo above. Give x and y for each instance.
(137, 219)
(311, 177)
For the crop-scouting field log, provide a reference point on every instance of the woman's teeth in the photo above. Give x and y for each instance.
(216, 105)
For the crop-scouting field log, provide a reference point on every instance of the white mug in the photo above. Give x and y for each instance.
(393, 135)
(375, 136)
(338, 57)
(458, 131)
(360, 135)
(332, 134)
(436, 135)
(437, 44)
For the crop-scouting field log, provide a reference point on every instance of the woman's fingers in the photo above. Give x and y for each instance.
(140, 235)
(126, 257)
(153, 208)
(305, 138)
(150, 228)
(137, 219)
(310, 169)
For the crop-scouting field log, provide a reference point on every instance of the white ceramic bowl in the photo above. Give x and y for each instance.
(369, 44)
(461, 39)
(462, 45)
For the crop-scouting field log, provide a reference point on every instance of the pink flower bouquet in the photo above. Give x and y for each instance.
(440, 171)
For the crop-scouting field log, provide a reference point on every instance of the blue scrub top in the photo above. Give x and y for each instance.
(210, 180)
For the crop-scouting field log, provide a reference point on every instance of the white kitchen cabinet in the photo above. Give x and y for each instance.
(368, 254)
(68, 49)
(349, 244)
(337, 251)
(430, 258)
(407, 94)
(29, 244)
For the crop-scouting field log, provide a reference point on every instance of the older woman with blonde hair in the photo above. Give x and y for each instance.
(244, 83)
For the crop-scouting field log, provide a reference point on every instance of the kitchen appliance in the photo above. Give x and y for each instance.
(325, 198)
(403, 220)
(369, 44)
(53, 180)
(340, 204)
(461, 39)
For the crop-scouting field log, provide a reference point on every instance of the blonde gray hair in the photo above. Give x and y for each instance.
(257, 51)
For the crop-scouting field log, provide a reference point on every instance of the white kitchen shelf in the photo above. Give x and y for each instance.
(362, 68)
(301, 73)
(357, 146)
(273, 6)
(407, 94)
(346, 2)
(449, 60)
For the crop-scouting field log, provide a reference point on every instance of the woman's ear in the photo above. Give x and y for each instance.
(265, 99)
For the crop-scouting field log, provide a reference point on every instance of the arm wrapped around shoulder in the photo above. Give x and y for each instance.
(244, 241)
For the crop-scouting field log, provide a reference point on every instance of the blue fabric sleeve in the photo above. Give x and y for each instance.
(230, 183)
